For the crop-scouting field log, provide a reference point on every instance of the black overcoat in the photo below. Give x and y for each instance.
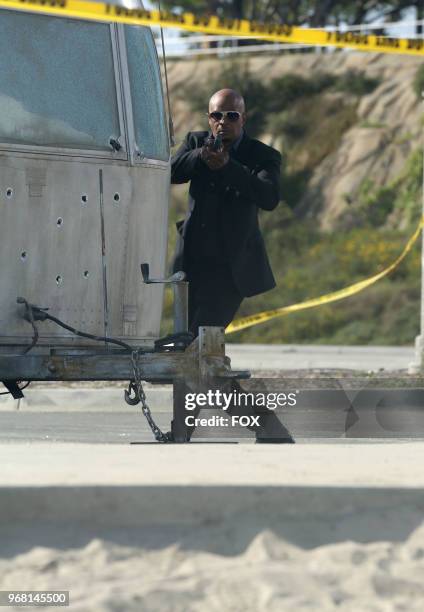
(248, 182)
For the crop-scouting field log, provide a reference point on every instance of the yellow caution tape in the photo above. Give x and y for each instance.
(80, 9)
(261, 317)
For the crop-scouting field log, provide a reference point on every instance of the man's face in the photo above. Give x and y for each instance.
(229, 130)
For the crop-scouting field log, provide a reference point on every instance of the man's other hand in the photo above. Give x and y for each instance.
(214, 159)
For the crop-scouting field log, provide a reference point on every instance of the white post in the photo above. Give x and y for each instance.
(418, 365)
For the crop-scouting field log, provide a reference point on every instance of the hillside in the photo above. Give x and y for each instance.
(350, 128)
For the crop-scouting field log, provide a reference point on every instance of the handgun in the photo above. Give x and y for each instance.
(215, 144)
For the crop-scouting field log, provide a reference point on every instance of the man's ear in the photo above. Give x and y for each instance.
(244, 117)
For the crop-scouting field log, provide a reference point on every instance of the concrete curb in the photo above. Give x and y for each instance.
(56, 399)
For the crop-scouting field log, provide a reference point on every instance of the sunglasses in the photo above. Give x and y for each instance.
(232, 116)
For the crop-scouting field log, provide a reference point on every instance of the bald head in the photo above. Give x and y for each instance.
(228, 97)
(224, 122)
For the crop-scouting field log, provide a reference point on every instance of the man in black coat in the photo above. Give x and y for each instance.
(221, 247)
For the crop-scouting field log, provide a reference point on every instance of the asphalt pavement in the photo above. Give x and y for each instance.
(94, 414)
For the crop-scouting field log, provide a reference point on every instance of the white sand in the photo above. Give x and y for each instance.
(212, 528)
(353, 464)
(270, 575)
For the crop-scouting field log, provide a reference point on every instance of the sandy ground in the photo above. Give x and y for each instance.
(208, 527)
(270, 574)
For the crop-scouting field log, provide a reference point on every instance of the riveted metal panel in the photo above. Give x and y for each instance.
(136, 209)
(51, 246)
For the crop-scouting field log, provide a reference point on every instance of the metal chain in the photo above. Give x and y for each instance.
(137, 387)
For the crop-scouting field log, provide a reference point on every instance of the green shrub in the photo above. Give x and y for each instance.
(409, 192)
(322, 81)
(375, 204)
(402, 197)
(314, 264)
(285, 90)
(356, 83)
(289, 125)
(293, 186)
(418, 83)
(289, 88)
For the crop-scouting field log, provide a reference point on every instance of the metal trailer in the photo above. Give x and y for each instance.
(84, 191)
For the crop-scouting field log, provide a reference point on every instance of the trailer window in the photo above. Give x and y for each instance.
(57, 85)
(146, 93)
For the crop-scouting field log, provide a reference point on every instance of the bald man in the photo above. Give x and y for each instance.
(221, 247)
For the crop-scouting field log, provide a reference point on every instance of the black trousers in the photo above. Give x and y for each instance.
(213, 298)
